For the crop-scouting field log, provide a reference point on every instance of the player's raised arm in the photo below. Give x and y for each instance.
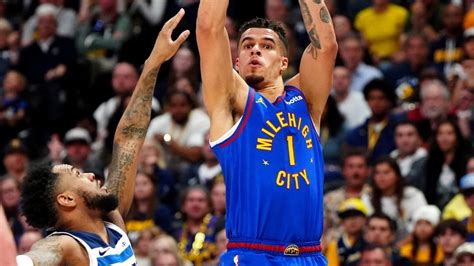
(133, 125)
(221, 84)
(317, 63)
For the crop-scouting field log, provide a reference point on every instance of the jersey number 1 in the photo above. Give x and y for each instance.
(291, 150)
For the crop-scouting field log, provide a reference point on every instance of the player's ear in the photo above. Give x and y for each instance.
(237, 64)
(66, 199)
(284, 64)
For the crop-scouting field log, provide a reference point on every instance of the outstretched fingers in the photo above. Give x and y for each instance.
(171, 24)
(182, 37)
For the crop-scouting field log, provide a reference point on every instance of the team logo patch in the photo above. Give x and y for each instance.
(236, 260)
(292, 250)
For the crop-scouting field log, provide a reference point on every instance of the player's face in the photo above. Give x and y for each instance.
(260, 59)
(84, 189)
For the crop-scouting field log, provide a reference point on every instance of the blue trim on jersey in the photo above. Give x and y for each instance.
(94, 241)
(116, 258)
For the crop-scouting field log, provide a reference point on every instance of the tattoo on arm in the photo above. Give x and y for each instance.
(122, 159)
(143, 97)
(324, 15)
(134, 131)
(46, 252)
(310, 27)
(312, 51)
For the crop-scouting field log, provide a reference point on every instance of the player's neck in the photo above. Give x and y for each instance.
(272, 91)
(87, 223)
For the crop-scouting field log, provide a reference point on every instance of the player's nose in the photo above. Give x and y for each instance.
(90, 176)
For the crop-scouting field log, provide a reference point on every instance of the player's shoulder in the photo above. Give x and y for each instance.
(57, 249)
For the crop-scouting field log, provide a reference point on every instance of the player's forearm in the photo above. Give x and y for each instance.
(129, 137)
(318, 24)
(211, 15)
(136, 118)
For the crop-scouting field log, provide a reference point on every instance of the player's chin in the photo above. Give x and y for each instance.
(253, 80)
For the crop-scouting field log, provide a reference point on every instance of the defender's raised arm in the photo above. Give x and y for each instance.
(133, 125)
(317, 63)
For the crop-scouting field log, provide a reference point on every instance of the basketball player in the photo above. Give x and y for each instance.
(264, 133)
(88, 218)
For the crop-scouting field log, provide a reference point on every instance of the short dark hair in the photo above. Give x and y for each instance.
(38, 197)
(407, 123)
(380, 215)
(355, 152)
(384, 87)
(265, 24)
(452, 224)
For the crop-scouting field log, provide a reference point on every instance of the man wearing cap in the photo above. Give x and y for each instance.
(77, 150)
(347, 249)
(15, 160)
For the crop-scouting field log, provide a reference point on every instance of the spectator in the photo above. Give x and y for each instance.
(151, 163)
(218, 197)
(352, 53)
(351, 103)
(15, 160)
(5, 61)
(446, 163)
(419, 21)
(450, 234)
(142, 245)
(405, 76)
(464, 254)
(447, 50)
(163, 244)
(124, 81)
(375, 255)
(355, 171)
(410, 154)
(180, 131)
(77, 144)
(434, 107)
(332, 133)
(47, 63)
(391, 196)
(346, 249)
(381, 231)
(466, 186)
(66, 18)
(382, 25)
(183, 65)
(342, 27)
(13, 106)
(10, 200)
(422, 249)
(210, 169)
(457, 207)
(101, 35)
(146, 210)
(196, 237)
(376, 133)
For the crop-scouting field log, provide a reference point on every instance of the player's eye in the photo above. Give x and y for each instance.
(247, 46)
(267, 46)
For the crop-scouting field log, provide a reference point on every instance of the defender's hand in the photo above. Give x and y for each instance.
(165, 47)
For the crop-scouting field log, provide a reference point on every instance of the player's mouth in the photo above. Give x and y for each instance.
(255, 63)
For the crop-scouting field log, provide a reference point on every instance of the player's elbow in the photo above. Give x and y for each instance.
(206, 25)
(330, 47)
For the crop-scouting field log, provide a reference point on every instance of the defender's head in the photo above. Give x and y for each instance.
(49, 193)
(263, 49)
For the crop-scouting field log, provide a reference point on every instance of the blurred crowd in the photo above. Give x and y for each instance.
(397, 132)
